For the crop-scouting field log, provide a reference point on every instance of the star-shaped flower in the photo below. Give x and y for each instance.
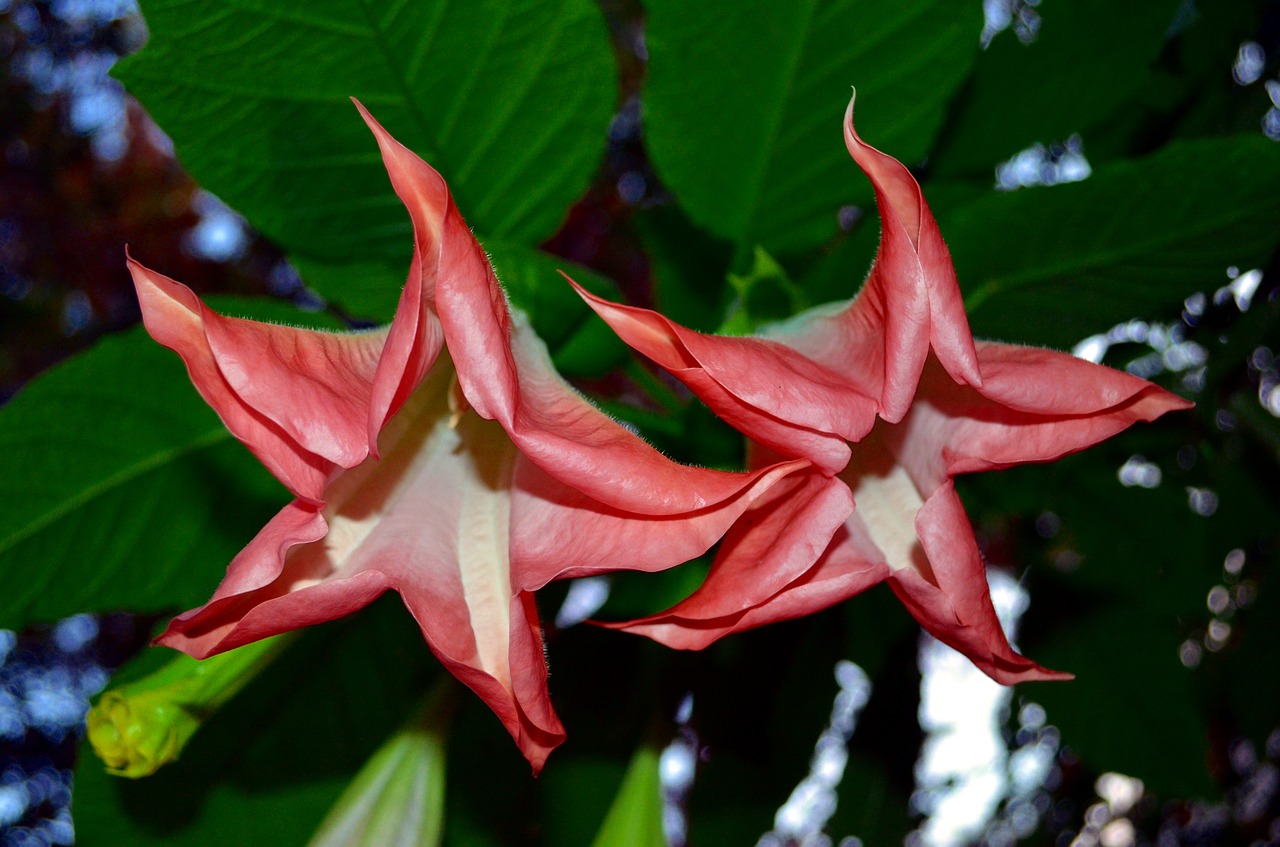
(890, 397)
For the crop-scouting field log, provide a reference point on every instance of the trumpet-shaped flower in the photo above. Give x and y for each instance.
(890, 398)
(442, 457)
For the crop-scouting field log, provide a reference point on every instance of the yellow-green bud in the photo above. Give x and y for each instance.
(139, 727)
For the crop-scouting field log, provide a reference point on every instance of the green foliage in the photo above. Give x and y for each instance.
(123, 490)
(1047, 90)
(744, 102)
(267, 767)
(1053, 265)
(1132, 707)
(635, 818)
(508, 99)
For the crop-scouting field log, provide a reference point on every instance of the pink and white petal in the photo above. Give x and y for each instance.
(274, 585)
(946, 591)
(175, 317)
(763, 388)
(455, 281)
(1034, 406)
(413, 346)
(518, 695)
(573, 441)
(316, 386)
(415, 337)
(843, 571)
(912, 293)
(558, 532)
(773, 545)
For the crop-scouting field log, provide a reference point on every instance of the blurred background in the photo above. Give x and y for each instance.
(1147, 565)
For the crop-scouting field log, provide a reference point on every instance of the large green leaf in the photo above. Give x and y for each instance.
(122, 488)
(745, 100)
(1089, 58)
(509, 99)
(1132, 706)
(1053, 265)
(266, 768)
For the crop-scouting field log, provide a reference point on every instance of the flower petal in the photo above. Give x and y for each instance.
(558, 532)
(949, 596)
(765, 570)
(415, 337)
(271, 587)
(765, 390)
(297, 398)
(575, 442)
(1034, 406)
(910, 303)
(842, 571)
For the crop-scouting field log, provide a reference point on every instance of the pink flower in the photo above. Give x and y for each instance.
(890, 397)
(441, 457)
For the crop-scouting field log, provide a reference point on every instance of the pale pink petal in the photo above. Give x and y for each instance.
(558, 532)
(1034, 406)
(506, 375)
(581, 446)
(948, 594)
(842, 571)
(268, 591)
(776, 543)
(520, 699)
(909, 304)
(912, 290)
(456, 279)
(297, 398)
(431, 519)
(764, 389)
(415, 337)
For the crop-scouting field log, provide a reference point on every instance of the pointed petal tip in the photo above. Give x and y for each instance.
(591, 299)
(671, 632)
(1011, 673)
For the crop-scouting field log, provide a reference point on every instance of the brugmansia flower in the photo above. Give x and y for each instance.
(890, 397)
(442, 457)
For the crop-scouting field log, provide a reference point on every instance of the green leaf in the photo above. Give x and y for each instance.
(745, 101)
(123, 489)
(1054, 265)
(581, 344)
(635, 818)
(688, 267)
(265, 769)
(508, 100)
(398, 796)
(765, 294)
(1049, 89)
(1132, 707)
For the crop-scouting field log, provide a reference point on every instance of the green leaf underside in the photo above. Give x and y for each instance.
(745, 102)
(266, 768)
(124, 489)
(508, 100)
(1054, 265)
(635, 818)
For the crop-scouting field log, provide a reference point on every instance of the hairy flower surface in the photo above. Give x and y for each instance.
(890, 397)
(442, 457)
